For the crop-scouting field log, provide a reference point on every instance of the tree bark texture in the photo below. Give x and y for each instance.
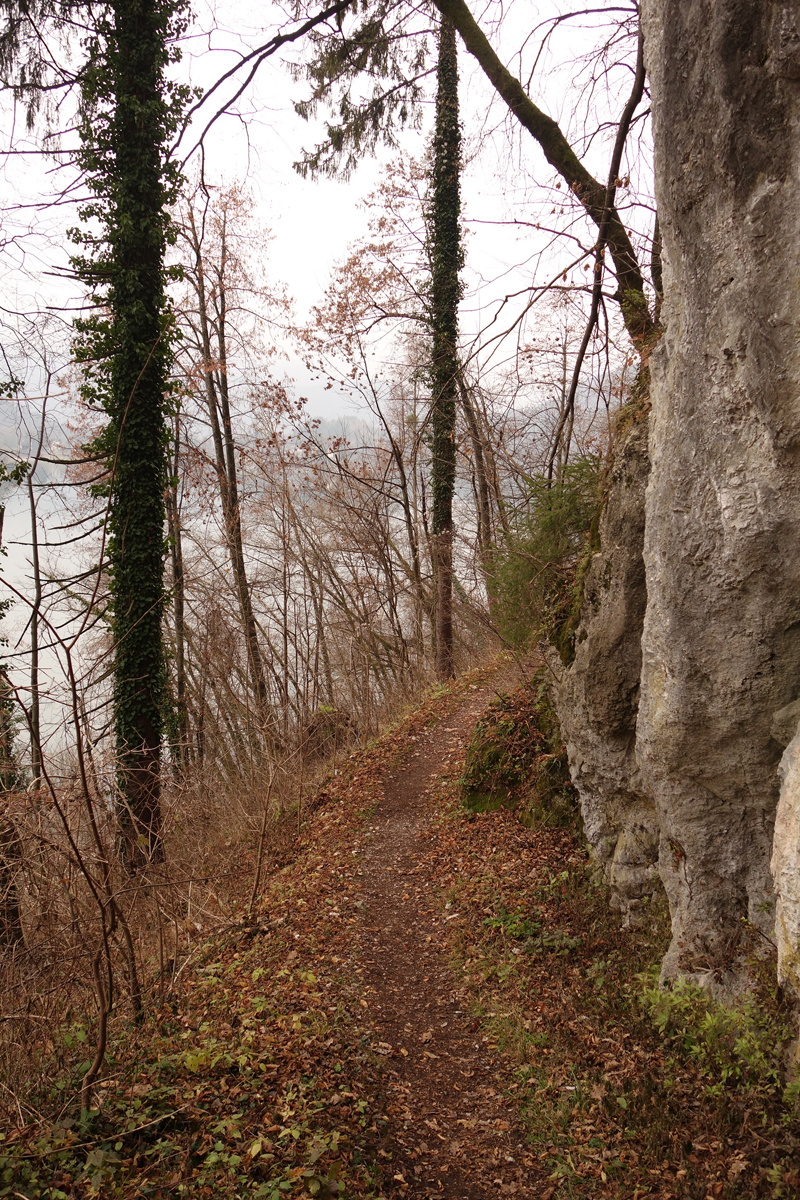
(445, 294)
(721, 639)
(138, 384)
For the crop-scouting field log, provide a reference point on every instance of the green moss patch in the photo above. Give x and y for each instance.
(517, 759)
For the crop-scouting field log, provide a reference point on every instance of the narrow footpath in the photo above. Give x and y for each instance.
(451, 1124)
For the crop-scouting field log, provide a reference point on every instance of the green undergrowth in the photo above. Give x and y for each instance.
(534, 572)
(249, 1082)
(517, 759)
(563, 626)
(539, 573)
(742, 1046)
(257, 1075)
(623, 1089)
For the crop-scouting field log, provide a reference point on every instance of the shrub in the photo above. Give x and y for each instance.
(517, 759)
(739, 1046)
(535, 574)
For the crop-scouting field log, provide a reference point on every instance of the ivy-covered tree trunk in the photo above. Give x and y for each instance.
(138, 380)
(446, 258)
(129, 113)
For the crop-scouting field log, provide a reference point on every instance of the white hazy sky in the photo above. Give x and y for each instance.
(506, 178)
(314, 222)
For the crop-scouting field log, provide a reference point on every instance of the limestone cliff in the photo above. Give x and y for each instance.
(786, 864)
(721, 638)
(597, 696)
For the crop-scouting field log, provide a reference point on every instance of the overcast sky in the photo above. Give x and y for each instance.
(314, 222)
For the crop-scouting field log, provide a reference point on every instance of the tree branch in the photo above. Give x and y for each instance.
(558, 152)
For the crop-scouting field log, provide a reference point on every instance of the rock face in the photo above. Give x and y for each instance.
(786, 870)
(721, 639)
(597, 697)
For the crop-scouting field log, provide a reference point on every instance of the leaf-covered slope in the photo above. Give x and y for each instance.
(288, 1060)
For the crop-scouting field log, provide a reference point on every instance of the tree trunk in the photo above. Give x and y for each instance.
(138, 382)
(558, 152)
(483, 506)
(215, 370)
(446, 258)
(233, 515)
(721, 641)
(10, 858)
(181, 749)
(34, 708)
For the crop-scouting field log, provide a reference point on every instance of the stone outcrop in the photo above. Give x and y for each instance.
(721, 638)
(597, 696)
(784, 723)
(786, 870)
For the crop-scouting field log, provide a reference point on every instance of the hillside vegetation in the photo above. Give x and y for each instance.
(296, 898)
(283, 1058)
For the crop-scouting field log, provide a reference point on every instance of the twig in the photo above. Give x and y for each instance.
(597, 290)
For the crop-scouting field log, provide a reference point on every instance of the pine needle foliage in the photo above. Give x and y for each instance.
(28, 66)
(536, 574)
(367, 69)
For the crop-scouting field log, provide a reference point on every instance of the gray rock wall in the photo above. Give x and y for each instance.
(721, 639)
(597, 697)
(786, 870)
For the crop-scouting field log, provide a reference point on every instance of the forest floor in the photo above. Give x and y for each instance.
(429, 1003)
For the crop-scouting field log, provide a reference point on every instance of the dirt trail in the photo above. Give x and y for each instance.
(450, 1130)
